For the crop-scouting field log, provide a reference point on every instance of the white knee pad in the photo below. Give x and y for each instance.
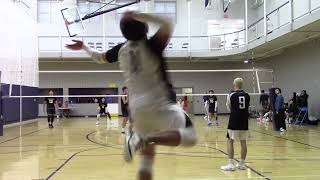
(188, 136)
(146, 163)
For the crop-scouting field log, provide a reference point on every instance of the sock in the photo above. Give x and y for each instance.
(242, 161)
(231, 161)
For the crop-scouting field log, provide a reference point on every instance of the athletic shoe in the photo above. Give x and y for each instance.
(97, 123)
(229, 167)
(242, 166)
(123, 131)
(209, 123)
(282, 130)
(132, 143)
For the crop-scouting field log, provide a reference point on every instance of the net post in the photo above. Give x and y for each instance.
(258, 81)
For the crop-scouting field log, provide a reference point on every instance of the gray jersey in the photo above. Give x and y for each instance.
(144, 71)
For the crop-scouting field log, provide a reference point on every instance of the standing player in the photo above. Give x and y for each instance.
(51, 104)
(264, 101)
(157, 119)
(125, 109)
(103, 110)
(212, 104)
(238, 103)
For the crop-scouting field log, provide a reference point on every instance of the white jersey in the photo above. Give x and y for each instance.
(145, 75)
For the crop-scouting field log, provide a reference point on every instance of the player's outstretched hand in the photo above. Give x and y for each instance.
(77, 45)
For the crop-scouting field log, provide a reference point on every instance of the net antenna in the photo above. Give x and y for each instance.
(226, 4)
(73, 20)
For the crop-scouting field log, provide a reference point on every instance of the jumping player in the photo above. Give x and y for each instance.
(158, 120)
(212, 104)
(238, 103)
(103, 110)
(51, 104)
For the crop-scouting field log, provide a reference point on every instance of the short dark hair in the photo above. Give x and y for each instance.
(211, 91)
(262, 91)
(279, 90)
(124, 88)
(132, 29)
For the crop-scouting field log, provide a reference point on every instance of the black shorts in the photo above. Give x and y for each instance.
(212, 109)
(102, 111)
(51, 111)
(125, 112)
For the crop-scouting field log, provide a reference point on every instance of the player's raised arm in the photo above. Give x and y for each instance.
(97, 56)
(165, 30)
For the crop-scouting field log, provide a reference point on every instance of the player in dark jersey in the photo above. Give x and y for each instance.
(125, 110)
(103, 110)
(264, 102)
(158, 120)
(50, 104)
(212, 103)
(238, 103)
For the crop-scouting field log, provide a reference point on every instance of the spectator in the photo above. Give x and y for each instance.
(280, 111)
(303, 99)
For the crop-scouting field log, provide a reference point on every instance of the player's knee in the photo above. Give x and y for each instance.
(188, 137)
(146, 163)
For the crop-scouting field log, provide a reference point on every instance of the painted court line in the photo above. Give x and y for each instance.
(253, 170)
(22, 135)
(67, 160)
(286, 139)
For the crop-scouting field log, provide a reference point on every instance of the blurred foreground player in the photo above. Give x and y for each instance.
(51, 104)
(158, 120)
(238, 103)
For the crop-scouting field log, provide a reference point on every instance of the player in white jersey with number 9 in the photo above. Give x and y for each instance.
(158, 120)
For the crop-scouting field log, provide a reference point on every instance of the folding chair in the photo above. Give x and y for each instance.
(302, 113)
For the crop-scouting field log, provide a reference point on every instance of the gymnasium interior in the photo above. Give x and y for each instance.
(270, 44)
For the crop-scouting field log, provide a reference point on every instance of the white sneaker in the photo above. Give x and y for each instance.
(282, 130)
(242, 166)
(209, 123)
(97, 123)
(229, 167)
(132, 143)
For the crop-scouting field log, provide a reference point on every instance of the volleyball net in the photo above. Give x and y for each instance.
(79, 91)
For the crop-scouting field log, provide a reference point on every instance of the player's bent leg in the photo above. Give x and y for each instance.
(184, 136)
(146, 163)
(188, 137)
